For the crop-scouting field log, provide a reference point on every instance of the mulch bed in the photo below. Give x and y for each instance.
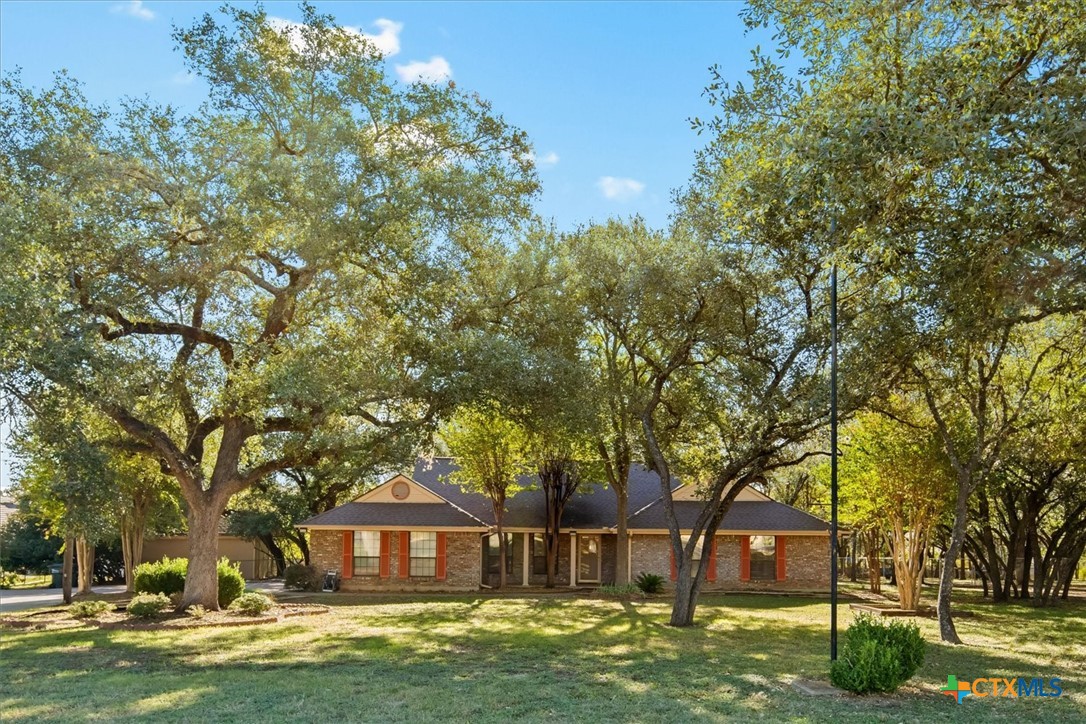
(58, 618)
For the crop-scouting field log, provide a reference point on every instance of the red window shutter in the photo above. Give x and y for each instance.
(348, 554)
(782, 566)
(440, 574)
(744, 558)
(674, 568)
(386, 545)
(405, 554)
(711, 576)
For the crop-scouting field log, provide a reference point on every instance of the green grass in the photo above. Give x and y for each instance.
(474, 658)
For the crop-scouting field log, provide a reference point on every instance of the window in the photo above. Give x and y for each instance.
(539, 555)
(763, 558)
(493, 554)
(367, 552)
(697, 548)
(423, 554)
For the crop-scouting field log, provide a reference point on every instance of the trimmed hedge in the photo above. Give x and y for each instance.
(167, 577)
(251, 604)
(298, 577)
(149, 605)
(877, 656)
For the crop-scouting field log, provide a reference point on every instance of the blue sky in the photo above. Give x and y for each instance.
(604, 90)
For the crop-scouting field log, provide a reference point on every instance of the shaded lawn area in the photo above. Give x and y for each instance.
(477, 658)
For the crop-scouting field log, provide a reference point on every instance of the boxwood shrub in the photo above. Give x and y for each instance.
(298, 577)
(251, 604)
(167, 577)
(149, 605)
(877, 656)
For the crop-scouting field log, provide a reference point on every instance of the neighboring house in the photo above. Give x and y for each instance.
(252, 558)
(425, 533)
(8, 508)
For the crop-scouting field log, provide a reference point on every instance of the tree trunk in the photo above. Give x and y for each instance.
(84, 551)
(201, 581)
(133, 528)
(874, 565)
(622, 548)
(66, 569)
(503, 555)
(276, 552)
(947, 631)
(682, 610)
(303, 546)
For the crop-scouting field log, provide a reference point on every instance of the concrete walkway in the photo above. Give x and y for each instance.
(22, 599)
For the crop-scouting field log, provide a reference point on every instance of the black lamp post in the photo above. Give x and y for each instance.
(833, 457)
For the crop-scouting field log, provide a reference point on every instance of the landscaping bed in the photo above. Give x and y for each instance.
(54, 619)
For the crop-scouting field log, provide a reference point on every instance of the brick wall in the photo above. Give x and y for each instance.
(807, 563)
(463, 553)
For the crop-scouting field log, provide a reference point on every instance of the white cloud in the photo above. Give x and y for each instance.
(426, 71)
(183, 77)
(547, 159)
(619, 189)
(386, 40)
(134, 8)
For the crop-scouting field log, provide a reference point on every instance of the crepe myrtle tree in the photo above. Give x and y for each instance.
(265, 283)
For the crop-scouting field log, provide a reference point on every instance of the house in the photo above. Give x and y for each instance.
(425, 533)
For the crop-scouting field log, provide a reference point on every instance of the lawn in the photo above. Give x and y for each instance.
(478, 658)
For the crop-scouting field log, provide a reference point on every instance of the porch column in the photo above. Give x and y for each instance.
(527, 558)
(629, 557)
(574, 559)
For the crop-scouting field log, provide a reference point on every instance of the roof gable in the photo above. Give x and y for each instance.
(400, 489)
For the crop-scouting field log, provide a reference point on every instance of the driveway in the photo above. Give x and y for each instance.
(22, 599)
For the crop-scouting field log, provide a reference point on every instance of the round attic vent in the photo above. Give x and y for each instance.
(401, 490)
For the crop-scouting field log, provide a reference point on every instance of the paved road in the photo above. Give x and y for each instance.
(25, 598)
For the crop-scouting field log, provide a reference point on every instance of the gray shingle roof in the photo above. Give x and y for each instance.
(592, 508)
(768, 515)
(408, 515)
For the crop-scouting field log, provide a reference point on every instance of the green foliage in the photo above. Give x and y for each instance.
(650, 583)
(622, 591)
(877, 656)
(251, 604)
(7, 579)
(89, 609)
(231, 582)
(299, 577)
(25, 544)
(228, 286)
(166, 576)
(197, 611)
(149, 605)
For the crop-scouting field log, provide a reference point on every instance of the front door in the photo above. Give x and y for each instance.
(588, 559)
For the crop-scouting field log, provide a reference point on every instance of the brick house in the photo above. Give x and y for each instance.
(425, 533)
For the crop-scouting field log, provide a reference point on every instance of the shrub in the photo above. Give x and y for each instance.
(231, 582)
(148, 605)
(624, 591)
(167, 577)
(298, 577)
(251, 604)
(650, 583)
(89, 609)
(196, 611)
(877, 656)
(7, 579)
